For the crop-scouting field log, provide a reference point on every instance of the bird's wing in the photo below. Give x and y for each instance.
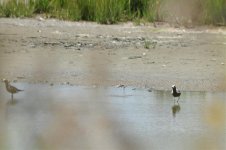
(14, 89)
(178, 91)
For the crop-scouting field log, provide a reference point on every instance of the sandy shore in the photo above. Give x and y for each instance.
(82, 53)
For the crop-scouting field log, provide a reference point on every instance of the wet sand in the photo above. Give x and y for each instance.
(83, 53)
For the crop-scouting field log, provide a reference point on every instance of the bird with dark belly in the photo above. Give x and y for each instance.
(175, 92)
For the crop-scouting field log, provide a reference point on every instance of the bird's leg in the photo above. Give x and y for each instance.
(178, 99)
(12, 96)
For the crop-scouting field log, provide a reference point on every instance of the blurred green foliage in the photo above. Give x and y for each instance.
(107, 11)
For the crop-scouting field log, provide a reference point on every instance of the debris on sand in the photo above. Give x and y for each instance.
(134, 57)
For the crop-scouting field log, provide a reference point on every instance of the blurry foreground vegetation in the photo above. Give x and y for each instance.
(113, 11)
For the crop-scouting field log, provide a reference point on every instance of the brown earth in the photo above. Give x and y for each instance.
(83, 53)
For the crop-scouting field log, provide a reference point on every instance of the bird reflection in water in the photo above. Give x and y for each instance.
(176, 109)
(14, 102)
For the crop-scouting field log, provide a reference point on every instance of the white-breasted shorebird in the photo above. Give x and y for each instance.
(11, 89)
(176, 92)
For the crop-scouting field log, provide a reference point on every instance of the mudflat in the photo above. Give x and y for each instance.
(83, 53)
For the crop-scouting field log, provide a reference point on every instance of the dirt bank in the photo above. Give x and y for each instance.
(55, 52)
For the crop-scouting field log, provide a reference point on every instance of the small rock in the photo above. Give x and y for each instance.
(51, 84)
(56, 32)
(222, 63)
(114, 42)
(134, 57)
(39, 18)
(184, 45)
(149, 90)
(32, 45)
(20, 77)
(141, 38)
(152, 62)
(116, 39)
(99, 36)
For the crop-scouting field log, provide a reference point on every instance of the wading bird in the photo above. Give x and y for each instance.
(122, 86)
(11, 89)
(176, 92)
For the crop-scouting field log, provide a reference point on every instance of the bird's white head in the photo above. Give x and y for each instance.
(5, 80)
(173, 86)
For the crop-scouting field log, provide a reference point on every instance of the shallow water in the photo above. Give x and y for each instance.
(103, 117)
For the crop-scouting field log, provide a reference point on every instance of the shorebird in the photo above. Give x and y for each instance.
(122, 86)
(11, 89)
(176, 92)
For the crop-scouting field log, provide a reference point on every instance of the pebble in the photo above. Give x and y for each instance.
(134, 57)
(67, 83)
(152, 62)
(20, 77)
(39, 18)
(149, 90)
(56, 32)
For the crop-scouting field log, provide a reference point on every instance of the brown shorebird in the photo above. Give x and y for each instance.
(176, 92)
(11, 89)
